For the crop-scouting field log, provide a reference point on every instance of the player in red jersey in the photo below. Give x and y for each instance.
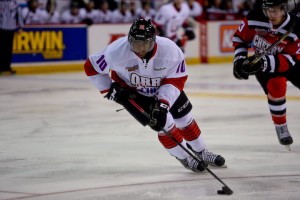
(260, 29)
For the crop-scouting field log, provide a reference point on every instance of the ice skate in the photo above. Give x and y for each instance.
(192, 164)
(284, 135)
(209, 158)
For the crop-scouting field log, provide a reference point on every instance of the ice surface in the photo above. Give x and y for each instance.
(59, 139)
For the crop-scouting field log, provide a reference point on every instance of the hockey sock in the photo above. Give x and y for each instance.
(171, 146)
(192, 135)
(278, 110)
(276, 99)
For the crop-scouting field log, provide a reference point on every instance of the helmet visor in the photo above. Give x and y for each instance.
(274, 9)
(141, 45)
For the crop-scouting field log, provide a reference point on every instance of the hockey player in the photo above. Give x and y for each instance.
(170, 18)
(150, 71)
(261, 28)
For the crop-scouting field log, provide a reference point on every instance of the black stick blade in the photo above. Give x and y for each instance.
(227, 190)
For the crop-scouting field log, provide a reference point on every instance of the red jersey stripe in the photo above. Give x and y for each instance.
(177, 82)
(89, 69)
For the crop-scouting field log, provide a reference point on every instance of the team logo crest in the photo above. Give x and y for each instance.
(260, 45)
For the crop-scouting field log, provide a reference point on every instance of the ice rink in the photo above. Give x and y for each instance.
(61, 140)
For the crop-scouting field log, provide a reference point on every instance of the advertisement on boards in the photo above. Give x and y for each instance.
(50, 43)
(226, 33)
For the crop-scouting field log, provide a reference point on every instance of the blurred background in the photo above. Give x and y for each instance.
(60, 34)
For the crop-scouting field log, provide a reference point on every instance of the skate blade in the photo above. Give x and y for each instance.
(288, 147)
(216, 167)
(212, 167)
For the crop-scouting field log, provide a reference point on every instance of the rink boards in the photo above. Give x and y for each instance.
(58, 48)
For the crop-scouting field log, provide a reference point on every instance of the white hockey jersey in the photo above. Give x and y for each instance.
(170, 19)
(163, 75)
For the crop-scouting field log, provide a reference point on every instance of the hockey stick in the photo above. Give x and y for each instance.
(225, 188)
(265, 52)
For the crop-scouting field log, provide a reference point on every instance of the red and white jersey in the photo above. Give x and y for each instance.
(162, 76)
(256, 31)
(170, 19)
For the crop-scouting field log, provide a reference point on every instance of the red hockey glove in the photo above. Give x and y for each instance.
(158, 115)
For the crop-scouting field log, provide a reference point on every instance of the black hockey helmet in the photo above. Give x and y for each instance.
(269, 4)
(273, 3)
(141, 33)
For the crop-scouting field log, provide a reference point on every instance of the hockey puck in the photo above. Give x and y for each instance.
(221, 192)
(225, 190)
